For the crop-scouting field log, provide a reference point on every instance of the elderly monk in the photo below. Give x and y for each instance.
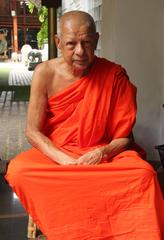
(83, 178)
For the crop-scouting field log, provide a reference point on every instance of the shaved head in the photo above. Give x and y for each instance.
(77, 40)
(77, 18)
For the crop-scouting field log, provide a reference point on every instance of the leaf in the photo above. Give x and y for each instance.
(30, 7)
(42, 35)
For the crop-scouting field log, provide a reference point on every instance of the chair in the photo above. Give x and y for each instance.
(160, 149)
(31, 229)
(33, 232)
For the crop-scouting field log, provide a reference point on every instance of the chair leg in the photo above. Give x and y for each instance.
(31, 231)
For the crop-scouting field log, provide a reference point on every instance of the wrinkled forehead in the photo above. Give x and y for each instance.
(76, 30)
(76, 22)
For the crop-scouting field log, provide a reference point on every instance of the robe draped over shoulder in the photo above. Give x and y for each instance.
(92, 111)
(117, 200)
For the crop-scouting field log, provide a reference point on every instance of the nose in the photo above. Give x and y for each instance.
(79, 50)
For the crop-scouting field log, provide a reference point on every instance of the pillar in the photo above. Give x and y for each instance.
(52, 25)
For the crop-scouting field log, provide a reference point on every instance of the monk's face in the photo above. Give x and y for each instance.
(77, 43)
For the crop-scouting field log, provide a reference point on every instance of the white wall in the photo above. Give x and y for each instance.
(133, 35)
(75, 5)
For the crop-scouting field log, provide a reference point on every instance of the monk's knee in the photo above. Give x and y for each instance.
(147, 176)
(14, 173)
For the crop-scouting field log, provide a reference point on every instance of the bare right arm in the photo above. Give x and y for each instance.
(36, 116)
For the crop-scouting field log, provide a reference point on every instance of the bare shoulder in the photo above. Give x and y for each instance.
(44, 73)
(45, 69)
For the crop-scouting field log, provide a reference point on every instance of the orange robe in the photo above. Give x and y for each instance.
(116, 200)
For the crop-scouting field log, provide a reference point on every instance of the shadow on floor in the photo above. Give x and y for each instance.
(13, 218)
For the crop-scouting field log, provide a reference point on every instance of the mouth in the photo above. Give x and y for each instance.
(80, 61)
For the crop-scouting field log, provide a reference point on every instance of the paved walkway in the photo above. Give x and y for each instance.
(12, 125)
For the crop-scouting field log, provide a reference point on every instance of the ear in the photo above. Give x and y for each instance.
(57, 41)
(96, 39)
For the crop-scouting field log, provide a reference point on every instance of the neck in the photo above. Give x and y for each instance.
(75, 72)
(79, 72)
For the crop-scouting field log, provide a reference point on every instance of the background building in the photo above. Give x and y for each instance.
(14, 16)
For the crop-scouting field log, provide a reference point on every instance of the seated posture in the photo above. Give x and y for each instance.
(84, 178)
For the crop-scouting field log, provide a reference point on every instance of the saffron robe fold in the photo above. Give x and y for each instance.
(116, 200)
(92, 111)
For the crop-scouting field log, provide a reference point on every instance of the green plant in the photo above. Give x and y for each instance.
(42, 35)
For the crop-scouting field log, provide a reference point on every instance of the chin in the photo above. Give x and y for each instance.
(81, 66)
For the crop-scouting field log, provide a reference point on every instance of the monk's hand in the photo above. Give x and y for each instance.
(63, 159)
(93, 157)
(67, 160)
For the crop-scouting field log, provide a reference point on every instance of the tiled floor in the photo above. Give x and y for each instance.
(13, 218)
(12, 126)
(14, 92)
